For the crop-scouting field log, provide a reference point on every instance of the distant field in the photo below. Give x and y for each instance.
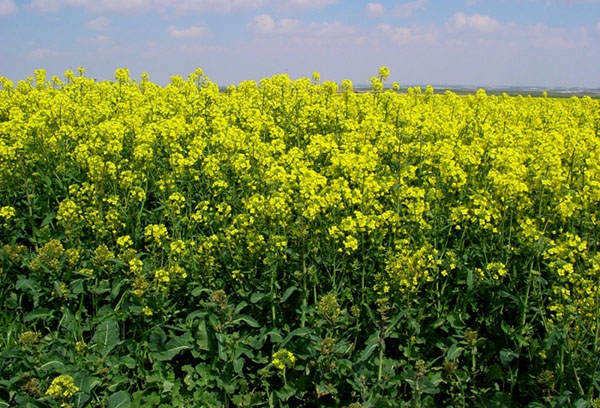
(553, 93)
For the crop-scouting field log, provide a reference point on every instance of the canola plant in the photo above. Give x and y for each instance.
(295, 243)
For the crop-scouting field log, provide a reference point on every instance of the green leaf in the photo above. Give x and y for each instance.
(202, 337)
(47, 220)
(174, 347)
(53, 364)
(427, 387)
(288, 293)
(456, 321)
(38, 314)
(107, 336)
(256, 297)
(240, 307)
(82, 381)
(286, 392)
(368, 351)
(299, 332)
(506, 356)
(394, 322)
(252, 322)
(470, 279)
(27, 284)
(238, 364)
(157, 339)
(119, 399)
(454, 352)
(194, 315)
(197, 291)
(128, 362)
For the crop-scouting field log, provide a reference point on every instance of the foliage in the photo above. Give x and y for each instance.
(284, 244)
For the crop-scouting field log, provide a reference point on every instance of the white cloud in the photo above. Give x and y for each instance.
(39, 53)
(286, 31)
(375, 9)
(189, 32)
(98, 24)
(409, 35)
(408, 8)
(330, 29)
(472, 2)
(310, 4)
(548, 38)
(99, 40)
(7, 7)
(264, 24)
(477, 22)
(46, 6)
(141, 6)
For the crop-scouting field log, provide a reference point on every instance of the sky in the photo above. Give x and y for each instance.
(544, 43)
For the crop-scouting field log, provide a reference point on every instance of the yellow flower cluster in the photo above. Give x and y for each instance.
(29, 338)
(167, 276)
(388, 191)
(7, 212)
(62, 387)
(283, 359)
(155, 234)
(48, 255)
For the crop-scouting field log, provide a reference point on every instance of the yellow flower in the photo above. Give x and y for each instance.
(81, 346)
(62, 387)
(283, 359)
(155, 233)
(384, 73)
(29, 338)
(147, 311)
(135, 266)
(124, 242)
(7, 212)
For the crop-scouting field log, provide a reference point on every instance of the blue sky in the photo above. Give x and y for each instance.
(455, 42)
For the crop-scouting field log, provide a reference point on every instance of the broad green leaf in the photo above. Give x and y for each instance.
(27, 284)
(119, 399)
(107, 336)
(53, 364)
(157, 339)
(174, 347)
(82, 381)
(38, 314)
